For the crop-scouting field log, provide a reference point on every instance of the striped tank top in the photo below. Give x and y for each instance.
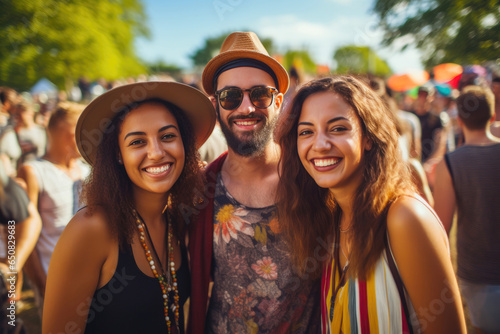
(372, 306)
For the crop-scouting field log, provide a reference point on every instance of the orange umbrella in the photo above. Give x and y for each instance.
(446, 72)
(407, 81)
(322, 69)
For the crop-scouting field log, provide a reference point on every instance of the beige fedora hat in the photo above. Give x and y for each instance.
(97, 116)
(239, 45)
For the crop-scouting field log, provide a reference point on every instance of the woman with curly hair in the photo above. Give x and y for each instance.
(388, 267)
(120, 265)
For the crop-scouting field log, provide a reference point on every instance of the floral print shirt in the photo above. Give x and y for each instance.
(255, 287)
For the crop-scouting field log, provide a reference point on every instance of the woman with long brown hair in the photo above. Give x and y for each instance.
(388, 268)
(120, 265)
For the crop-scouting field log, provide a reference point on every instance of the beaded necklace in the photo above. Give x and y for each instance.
(168, 285)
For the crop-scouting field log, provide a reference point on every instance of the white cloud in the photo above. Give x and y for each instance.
(322, 38)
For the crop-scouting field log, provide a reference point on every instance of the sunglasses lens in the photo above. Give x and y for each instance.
(261, 97)
(230, 98)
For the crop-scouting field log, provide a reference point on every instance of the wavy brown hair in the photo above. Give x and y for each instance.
(308, 213)
(108, 185)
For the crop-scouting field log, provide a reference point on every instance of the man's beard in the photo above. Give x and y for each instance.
(256, 140)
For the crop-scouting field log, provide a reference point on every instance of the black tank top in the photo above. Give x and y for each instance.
(131, 302)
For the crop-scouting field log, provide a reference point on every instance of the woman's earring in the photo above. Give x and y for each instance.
(120, 161)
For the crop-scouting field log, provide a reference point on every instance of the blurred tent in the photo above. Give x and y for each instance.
(44, 86)
(407, 81)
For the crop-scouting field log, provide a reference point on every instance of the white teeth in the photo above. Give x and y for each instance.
(157, 170)
(325, 162)
(246, 122)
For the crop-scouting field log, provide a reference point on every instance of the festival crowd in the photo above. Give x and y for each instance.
(253, 201)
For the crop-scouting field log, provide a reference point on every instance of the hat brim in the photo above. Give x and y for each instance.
(225, 57)
(97, 116)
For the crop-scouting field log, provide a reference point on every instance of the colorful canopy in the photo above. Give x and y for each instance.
(446, 72)
(407, 81)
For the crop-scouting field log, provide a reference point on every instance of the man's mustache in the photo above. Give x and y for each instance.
(252, 115)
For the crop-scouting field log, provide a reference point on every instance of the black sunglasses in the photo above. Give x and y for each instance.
(261, 96)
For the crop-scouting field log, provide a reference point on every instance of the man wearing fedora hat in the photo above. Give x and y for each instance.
(236, 241)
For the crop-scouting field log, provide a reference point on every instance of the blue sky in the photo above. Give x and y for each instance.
(179, 27)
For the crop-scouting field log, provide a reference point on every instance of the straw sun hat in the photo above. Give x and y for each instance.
(239, 45)
(97, 116)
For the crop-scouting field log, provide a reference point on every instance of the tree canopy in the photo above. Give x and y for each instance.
(360, 60)
(464, 31)
(299, 59)
(63, 40)
(160, 67)
(211, 48)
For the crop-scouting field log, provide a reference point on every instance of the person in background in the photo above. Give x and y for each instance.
(495, 126)
(442, 105)
(408, 127)
(84, 85)
(473, 75)
(434, 131)
(468, 183)
(214, 146)
(9, 145)
(294, 86)
(343, 181)
(32, 137)
(53, 186)
(8, 100)
(20, 224)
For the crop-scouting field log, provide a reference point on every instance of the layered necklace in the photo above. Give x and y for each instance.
(168, 283)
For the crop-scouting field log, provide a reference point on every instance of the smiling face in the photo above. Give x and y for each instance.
(151, 148)
(247, 129)
(330, 141)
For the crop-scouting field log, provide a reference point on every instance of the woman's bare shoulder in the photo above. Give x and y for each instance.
(410, 218)
(90, 225)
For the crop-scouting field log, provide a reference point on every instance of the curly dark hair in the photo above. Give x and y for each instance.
(108, 185)
(309, 213)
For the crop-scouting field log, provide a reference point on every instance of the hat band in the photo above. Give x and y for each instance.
(245, 62)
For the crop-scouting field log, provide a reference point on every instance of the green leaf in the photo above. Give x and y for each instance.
(63, 40)
(456, 31)
(360, 60)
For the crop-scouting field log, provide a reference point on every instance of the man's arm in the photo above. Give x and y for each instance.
(33, 267)
(27, 233)
(440, 137)
(27, 230)
(444, 195)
